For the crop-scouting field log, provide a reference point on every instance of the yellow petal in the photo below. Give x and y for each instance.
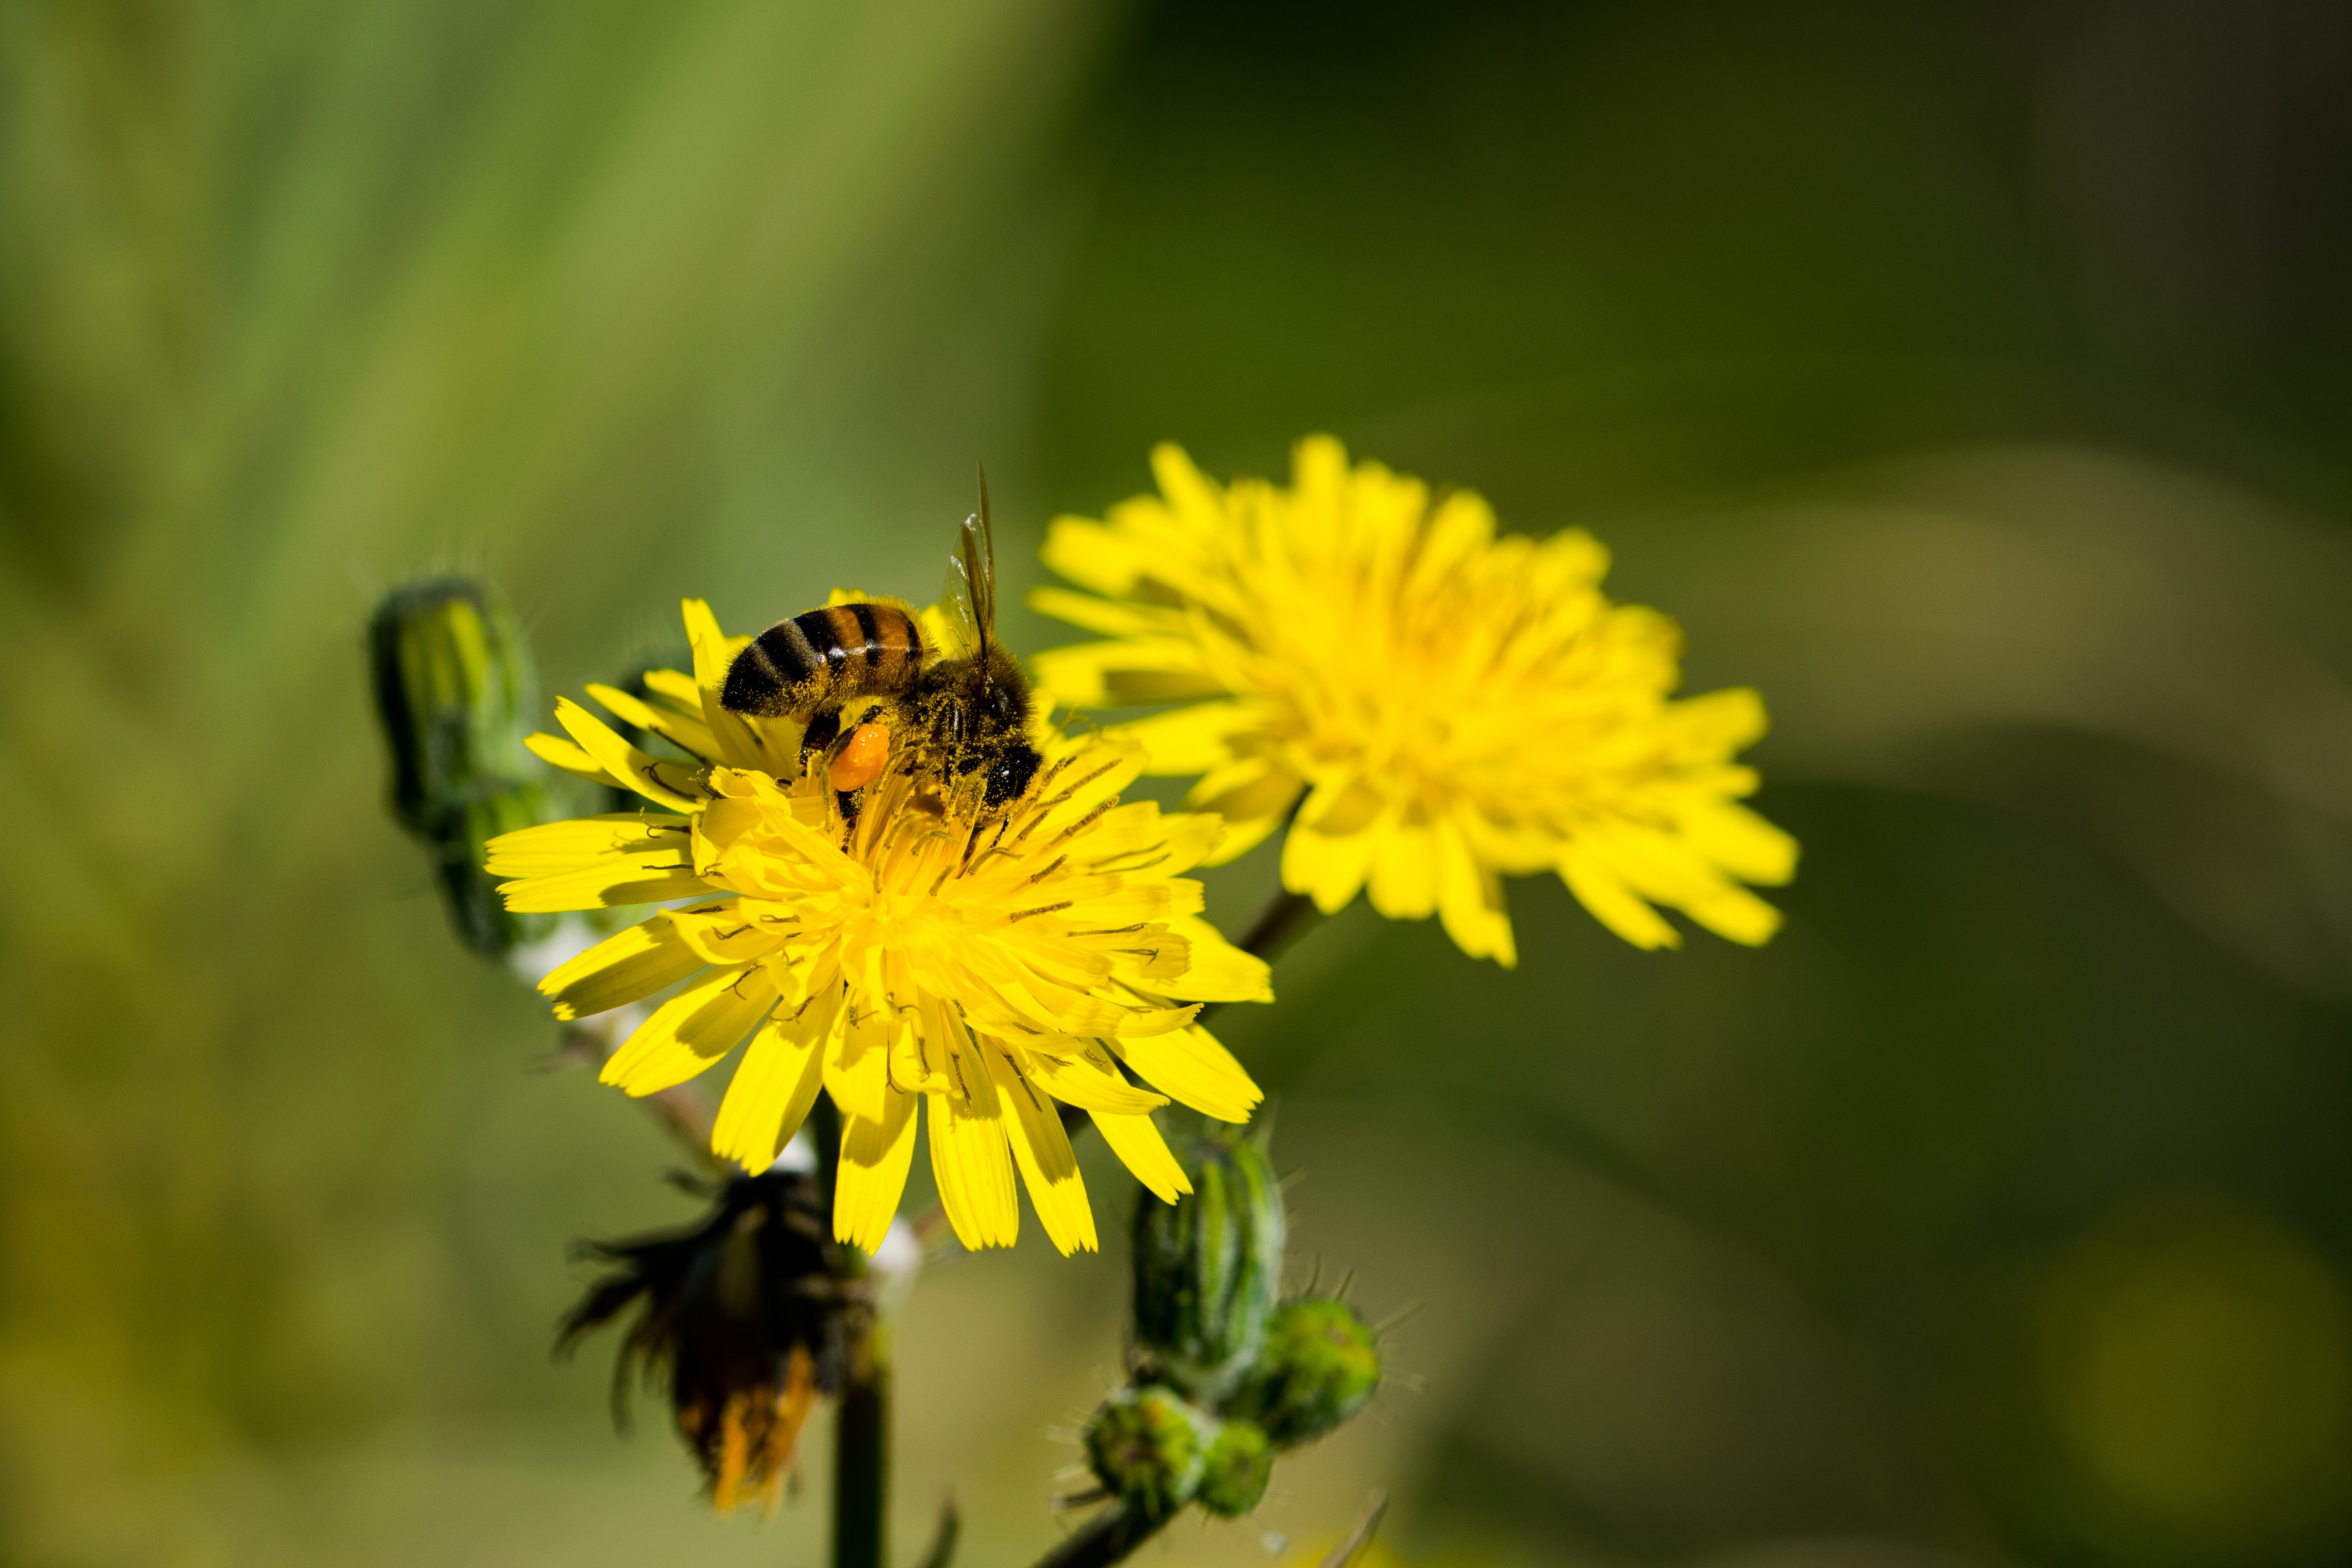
(1241, 837)
(1318, 463)
(1470, 901)
(917, 1064)
(1329, 869)
(624, 968)
(1192, 495)
(1123, 671)
(677, 688)
(857, 1067)
(1086, 1078)
(1090, 555)
(875, 1155)
(563, 753)
(724, 934)
(1074, 787)
(1717, 723)
(770, 1094)
(664, 784)
(691, 1030)
(972, 1166)
(1217, 971)
(1735, 912)
(580, 842)
(1460, 527)
(1137, 1142)
(1191, 1067)
(1048, 1167)
(1105, 616)
(1742, 843)
(1245, 790)
(1612, 903)
(1190, 740)
(688, 734)
(1341, 805)
(743, 742)
(1666, 871)
(1403, 883)
(624, 879)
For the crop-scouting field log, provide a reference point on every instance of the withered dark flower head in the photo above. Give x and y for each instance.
(744, 1317)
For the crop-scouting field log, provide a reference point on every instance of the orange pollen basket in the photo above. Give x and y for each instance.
(860, 761)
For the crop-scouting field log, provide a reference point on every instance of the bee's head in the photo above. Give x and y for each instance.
(1003, 707)
(1005, 778)
(1003, 696)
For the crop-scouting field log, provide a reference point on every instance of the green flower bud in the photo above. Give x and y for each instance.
(482, 918)
(454, 689)
(1206, 1270)
(1239, 1463)
(1148, 1448)
(1319, 1366)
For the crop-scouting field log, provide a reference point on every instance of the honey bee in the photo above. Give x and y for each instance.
(967, 716)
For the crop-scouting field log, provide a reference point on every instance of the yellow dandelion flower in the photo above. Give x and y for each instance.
(1439, 705)
(986, 967)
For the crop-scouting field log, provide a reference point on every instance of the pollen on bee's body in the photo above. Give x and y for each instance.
(861, 759)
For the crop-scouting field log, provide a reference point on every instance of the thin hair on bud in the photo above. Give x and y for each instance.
(1398, 1318)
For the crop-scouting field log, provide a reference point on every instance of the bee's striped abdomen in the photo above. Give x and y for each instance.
(824, 658)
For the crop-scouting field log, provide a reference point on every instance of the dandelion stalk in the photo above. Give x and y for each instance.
(1287, 918)
(861, 1449)
(861, 1480)
(1109, 1536)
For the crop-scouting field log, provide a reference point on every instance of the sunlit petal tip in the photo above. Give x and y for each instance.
(872, 1175)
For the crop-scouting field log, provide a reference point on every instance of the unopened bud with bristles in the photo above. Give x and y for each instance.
(1148, 1448)
(1239, 1464)
(455, 691)
(1207, 1269)
(1319, 1366)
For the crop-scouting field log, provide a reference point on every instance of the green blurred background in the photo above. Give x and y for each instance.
(1972, 377)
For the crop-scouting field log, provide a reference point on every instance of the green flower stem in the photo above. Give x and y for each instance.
(1286, 918)
(861, 1447)
(1108, 1537)
(1119, 1530)
(861, 1477)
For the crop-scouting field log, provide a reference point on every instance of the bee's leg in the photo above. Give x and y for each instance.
(847, 800)
(822, 731)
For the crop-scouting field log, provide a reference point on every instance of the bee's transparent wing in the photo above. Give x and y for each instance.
(956, 594)
(969, 598)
